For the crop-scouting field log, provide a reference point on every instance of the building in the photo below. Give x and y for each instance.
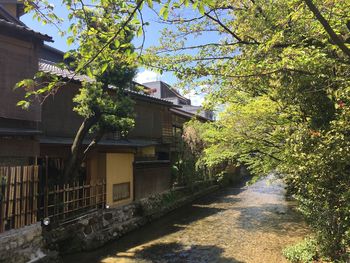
(160, 89)
(35, 143)
(19, 48)
(180, 114)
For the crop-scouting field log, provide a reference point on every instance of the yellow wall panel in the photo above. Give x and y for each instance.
(119, 169)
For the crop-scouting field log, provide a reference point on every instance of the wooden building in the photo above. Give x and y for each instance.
(130, 168)
(133, 167)
(19, 47)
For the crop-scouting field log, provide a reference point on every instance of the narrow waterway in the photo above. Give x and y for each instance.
(237, 224)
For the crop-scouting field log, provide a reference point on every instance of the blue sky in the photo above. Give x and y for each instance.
(152, 38)
(152, 35)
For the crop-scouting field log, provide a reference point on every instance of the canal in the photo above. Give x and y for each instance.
(236, 224)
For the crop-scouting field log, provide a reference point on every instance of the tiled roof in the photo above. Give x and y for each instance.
(4, 14)
(189, 114)
(19, 131)
(103, 142)
(24, 30)
(51, 68)
(148, 97)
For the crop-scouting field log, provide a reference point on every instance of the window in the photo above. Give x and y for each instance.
(121, 191)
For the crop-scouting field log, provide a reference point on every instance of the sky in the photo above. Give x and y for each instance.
(151, 39)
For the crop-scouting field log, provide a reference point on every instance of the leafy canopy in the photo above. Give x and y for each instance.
(281, 70)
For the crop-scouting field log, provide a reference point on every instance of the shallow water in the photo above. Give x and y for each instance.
(237, 224)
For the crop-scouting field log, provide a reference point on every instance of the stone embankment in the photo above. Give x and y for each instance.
(95, 229)
(22, 245)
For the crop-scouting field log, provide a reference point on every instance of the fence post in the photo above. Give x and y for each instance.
(2, 199)
(46, 190)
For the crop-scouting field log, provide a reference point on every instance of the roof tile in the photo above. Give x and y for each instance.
(24, 29)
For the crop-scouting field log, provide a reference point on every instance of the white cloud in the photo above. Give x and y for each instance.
(147, 76)
(196, 99)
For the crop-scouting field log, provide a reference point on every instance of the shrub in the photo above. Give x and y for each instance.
(304, 251)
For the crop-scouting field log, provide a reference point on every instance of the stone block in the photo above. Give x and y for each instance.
(108, 216)
(88, 230)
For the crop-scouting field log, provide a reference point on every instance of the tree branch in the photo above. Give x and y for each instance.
(73, 162)
(334, 37)
(196, 47)
(111, 40)
(98, 136)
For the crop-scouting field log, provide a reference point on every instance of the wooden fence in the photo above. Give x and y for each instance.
(26, 197)
(64, 202)
(18, 196)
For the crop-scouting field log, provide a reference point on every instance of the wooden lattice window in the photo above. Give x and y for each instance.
(121, 191)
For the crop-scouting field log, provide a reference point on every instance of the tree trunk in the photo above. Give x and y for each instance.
(77, 155)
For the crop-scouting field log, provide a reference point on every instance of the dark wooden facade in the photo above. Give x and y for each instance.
(151, 177)
(18, 60)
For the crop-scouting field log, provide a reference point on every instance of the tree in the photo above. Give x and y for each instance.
(103, 31)
(104, 108)
(188, 159)
(281, 70)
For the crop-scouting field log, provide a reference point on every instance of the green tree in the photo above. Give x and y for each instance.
(190, 146)
(103, 31)
(102, 100)
(281, 71)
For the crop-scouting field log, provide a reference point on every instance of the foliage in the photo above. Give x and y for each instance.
(193, 163)
(190, 146)
(250, 132)
(318, 171)
(102, 32)
(304, 251)
(184, 164)
(116, 109)
(281, 72)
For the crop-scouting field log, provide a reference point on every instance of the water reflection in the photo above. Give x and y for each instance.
(237, 224)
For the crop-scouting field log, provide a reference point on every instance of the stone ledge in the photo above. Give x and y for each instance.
(22, 245)
(96, 229)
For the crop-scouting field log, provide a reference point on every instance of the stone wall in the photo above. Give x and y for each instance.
(22, 245)
(93, 230)
(97, 228)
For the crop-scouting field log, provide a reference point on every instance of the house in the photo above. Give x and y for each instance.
(160, 89)
(19, 47)
(35, 143)
(181, 114)
(138, 165)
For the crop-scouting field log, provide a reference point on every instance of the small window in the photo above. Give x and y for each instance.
(121, 191)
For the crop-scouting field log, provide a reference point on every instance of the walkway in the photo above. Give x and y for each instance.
(248, 224)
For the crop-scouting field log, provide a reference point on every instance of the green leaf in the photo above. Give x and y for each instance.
(104, 67)
(139, 32)
(164, 11)
(70, 41)
(201, 8)
(150, 3)
(89, 72)
(23, 104)
(116, 43)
